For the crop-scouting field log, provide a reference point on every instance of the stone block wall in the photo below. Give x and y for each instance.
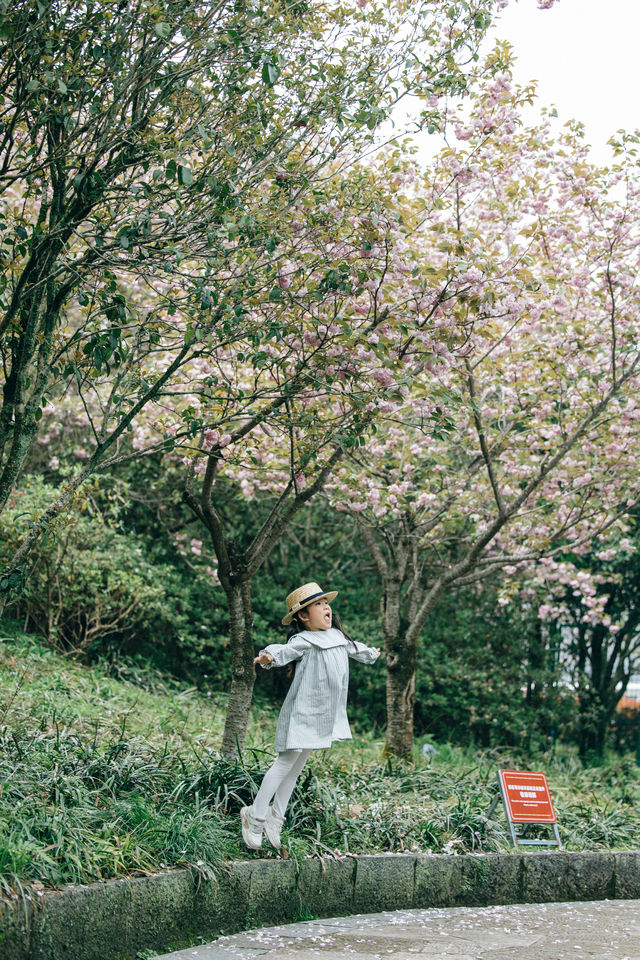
(119, 918)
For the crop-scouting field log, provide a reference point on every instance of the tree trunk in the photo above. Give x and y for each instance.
(15, 461)
(243, 672)
(537, 689)
(401, 696)
(595, 703)
(594, 723)
(536, 650)
(401, 675)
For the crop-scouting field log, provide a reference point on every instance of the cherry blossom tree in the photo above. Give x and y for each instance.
(589, 604)
(517, 442)
(282, 424)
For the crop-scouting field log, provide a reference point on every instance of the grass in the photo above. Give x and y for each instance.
(105, 775)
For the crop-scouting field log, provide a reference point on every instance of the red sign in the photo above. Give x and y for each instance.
(527, 796)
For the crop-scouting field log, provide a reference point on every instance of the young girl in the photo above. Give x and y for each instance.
(314, 712)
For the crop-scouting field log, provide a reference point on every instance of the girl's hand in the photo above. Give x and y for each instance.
(263, 659)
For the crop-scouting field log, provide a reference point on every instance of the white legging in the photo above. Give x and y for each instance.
(279, 781)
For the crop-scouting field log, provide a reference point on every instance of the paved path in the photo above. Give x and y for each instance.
(604, 930)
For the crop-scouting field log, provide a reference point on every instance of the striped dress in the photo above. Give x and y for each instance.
(314, 712)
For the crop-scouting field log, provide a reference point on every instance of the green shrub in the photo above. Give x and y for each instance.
(87, 583)
(94, 589)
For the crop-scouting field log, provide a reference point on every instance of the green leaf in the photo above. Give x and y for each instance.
(275, 295)
(270, 73)
(185, 177)
(162, 30)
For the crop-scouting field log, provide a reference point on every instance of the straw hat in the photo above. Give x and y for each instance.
(303, 596)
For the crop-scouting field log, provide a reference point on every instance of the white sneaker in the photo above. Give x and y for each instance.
(273, 827)
(251, 828)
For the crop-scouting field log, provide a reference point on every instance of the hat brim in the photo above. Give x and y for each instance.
(331, 595)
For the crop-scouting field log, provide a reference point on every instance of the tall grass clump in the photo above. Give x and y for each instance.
(75, 809)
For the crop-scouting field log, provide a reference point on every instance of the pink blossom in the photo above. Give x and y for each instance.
(606, 555)
(210, 437)
(463, 133)
(383, 377)
(284, 276)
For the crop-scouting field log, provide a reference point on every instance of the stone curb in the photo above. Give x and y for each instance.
(117, 919)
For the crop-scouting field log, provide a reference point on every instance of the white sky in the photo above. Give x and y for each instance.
(585, 56)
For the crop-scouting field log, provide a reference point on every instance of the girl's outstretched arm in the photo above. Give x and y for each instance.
(264, 659)
(363, 653)
(280, 654)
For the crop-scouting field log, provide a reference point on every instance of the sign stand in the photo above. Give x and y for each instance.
(526, 800)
